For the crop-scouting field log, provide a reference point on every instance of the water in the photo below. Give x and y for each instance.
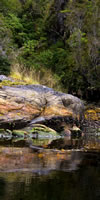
(61, 175)
(50, 174)
(76, 185)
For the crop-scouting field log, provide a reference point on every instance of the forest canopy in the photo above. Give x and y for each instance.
(61, 37)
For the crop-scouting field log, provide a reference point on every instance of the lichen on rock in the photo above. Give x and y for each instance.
(21, 105)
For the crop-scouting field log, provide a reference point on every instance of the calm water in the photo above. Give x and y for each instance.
(67, 176)
(49, 175)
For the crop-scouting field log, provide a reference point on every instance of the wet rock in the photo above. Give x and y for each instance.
(98, 130)
(38, 134)
(91, 123)
(76, 132)
(38, 131)
(18, 133)
(66, 143)
(19, 142)
(5, 134)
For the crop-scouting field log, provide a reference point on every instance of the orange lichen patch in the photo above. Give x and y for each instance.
(15, 110)
(27, 108)
(97, 110)
(6, 107)
(19, 113)
(14, 116)
(91, 111)
(62, 150)
(57, 111)
(92, 146)
(92, 114)
(40, 155)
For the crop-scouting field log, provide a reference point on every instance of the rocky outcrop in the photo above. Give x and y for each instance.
(5, 78)
(21, 105)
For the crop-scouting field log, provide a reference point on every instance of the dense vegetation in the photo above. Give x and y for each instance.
(57, 35)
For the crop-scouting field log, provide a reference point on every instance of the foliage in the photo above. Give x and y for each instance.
(49, 35)
(5, 46)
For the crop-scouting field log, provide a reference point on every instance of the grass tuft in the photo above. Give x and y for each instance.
(32, 76)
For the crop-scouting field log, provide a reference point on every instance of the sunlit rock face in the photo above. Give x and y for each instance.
(21, 105)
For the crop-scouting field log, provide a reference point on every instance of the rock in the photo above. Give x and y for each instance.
(5, 134)
(23, 105)
(98, 130)
(37, 131)
(45, 135)
(5, 78)
(75, 128)
(76, 132)
(39, 127)
(18, 133)
(65, 143)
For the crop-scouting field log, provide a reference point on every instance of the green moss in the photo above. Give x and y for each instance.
(18, 133)
(2, 130)
(11, 83)
(42, 128)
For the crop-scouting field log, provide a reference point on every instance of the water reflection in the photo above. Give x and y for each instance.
(25, 159)
(74, 185)
(62, 172)
(49, 174)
